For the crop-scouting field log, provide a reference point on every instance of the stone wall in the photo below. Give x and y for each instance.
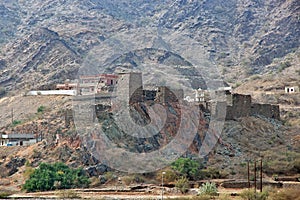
(220, 112)
(267, 110)
(165, 94)
(130, 86)
(241, 107)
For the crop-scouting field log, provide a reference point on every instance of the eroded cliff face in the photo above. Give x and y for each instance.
(45, 42)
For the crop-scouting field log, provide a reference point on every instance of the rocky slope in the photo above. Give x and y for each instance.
(44, 42)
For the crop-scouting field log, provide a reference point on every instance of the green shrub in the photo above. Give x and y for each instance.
(55, 176)
(41, 109)
(187, 167)
(208, 189)
(16, 122)
(182, 184)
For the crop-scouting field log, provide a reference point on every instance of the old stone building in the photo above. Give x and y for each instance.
(242, 106)
(166, 94)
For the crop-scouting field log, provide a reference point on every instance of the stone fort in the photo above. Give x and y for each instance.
(237, 105)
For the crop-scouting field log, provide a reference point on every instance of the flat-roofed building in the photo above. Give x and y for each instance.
(17, 139)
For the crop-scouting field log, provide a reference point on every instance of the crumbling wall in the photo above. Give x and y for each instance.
(267, 110)
(149, 95)
(241, 107)
(164, 94)
(220, 112)
(68, 117)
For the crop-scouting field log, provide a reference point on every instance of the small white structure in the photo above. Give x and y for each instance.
(199, 96)
(293, 89)
(17, 139)
(52, 92)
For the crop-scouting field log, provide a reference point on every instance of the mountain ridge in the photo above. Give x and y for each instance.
(237, 34)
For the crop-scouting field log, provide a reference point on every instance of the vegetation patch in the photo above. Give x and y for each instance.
(208, 189)
(55, 176)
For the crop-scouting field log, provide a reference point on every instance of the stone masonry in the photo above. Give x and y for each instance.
(130, 85)
(164, 94)
(242, 107)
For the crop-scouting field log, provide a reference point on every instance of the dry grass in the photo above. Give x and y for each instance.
(285, 194)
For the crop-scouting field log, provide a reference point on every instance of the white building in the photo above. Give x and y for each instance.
(16, 139)
(293, 89)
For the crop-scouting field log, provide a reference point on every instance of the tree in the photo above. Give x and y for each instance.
(55, 176)
(187, 167)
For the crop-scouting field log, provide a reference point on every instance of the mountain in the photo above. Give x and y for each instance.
(46, 42)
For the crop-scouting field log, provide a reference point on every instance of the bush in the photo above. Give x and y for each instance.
(5, 194)
(208, 189)
(169, 176)
(182, 184)
(109, 176)
(187, 167)
(55, 176)
(211, 173)
(28, 171)
(41, 109)
(68, 194)
(286, 194)
(284, 65)
(251, 195)
(297, 165)
(224, 197)
(134, 178)
(16, 122)
(127, 180)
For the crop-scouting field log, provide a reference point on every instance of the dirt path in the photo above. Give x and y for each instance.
(97, 195)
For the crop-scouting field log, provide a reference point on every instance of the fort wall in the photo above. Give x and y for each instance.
(243, 107)
(267, 110)
(165, 94)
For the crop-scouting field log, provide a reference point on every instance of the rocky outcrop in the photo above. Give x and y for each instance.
(13, 165)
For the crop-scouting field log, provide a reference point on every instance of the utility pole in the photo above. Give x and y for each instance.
(254, 175)
(248, 174)
(12, 116)
(162, 184)
(260, 175)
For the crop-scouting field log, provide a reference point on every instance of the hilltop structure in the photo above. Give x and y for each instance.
(130, 86)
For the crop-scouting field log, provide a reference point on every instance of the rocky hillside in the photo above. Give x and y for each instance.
(45, 42)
